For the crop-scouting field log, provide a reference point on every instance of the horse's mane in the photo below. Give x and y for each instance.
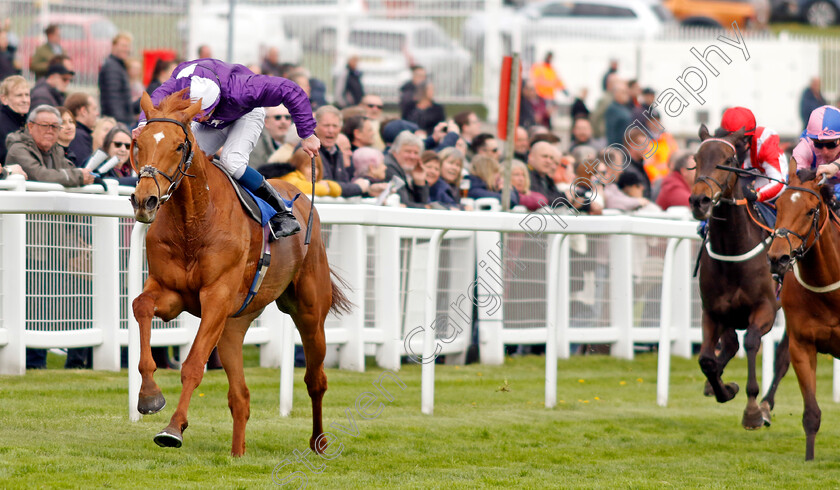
(177, 102)
(806, 174)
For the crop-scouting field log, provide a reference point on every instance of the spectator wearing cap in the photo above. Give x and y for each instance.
(14, 95)
(758, 150)
(40, 60)
(114, 83)
(51, 89)
(676, 187)
(819, 145)
(403, 162)
(393, 128)
(85, 111)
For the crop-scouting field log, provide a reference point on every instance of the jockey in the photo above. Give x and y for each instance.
(819, 144)
(232, 116)
(759, 151)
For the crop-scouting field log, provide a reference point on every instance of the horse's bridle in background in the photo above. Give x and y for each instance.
(149, 171)
(706, 179)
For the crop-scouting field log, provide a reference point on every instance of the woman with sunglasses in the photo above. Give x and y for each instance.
(819, 144)
(117, 144)
(232, 118)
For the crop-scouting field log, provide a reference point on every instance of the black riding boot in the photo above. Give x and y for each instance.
(283, 223)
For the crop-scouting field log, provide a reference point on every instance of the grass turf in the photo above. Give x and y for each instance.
(69, 429)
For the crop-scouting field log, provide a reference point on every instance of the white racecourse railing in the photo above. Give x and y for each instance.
(613, 280)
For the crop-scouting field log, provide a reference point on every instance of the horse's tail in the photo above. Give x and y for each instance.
(340, 303)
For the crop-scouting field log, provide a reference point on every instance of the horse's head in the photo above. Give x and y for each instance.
(712, 184)
(165, 152)
(801, 212)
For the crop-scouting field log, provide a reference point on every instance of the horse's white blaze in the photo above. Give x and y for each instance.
(158, 136)
(794, 197)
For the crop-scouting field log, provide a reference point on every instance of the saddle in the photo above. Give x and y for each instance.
(259, 210)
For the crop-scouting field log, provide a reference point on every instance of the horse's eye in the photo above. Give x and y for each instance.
(180, 147)
(811, 212)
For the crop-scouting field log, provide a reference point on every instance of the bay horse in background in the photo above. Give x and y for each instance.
(806, 252)
(736, 287)
(203, 253)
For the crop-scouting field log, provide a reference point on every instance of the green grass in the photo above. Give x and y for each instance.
(69, 429)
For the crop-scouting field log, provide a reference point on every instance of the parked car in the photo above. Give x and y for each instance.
(387, 48)
(85, 38)
(616, 19)
(820, 13)
(718, 13)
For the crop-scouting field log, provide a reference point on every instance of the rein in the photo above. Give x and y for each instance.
(149, 171)
(718, 200)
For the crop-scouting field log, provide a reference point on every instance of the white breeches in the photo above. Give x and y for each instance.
(237, 140)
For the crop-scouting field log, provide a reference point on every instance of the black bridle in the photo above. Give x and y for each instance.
(802, 249)
(149, 171)
(730, 163)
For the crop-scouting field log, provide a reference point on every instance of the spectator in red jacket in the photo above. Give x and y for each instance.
(676, 188)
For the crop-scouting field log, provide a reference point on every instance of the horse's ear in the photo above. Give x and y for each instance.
(738, 135)
(192, 110)
(704, 132)
(146, 104)
(792, 171)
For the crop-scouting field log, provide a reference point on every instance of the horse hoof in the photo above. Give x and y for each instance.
(765, 413)
(151, 404)
(166, 438)
(732, 389)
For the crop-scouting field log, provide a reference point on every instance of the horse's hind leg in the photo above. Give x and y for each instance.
(781, 364)
(803, 357)
(709, 363)
(313, 304)
(239, 398)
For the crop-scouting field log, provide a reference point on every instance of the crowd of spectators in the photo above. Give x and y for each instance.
(430, 159)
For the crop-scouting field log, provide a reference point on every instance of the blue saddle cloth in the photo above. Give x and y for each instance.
(259, 210)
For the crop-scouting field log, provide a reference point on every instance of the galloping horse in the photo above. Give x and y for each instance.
(736, 287)
(806, 251)
(203, 253)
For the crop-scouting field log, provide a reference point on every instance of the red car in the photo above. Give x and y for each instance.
(85, 38)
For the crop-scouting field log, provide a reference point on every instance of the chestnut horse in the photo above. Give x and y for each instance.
(736, 287)
(806, 252)
(203, 252)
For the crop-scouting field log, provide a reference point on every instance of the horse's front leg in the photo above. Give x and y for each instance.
(761, 321)
(709, 363)
(803, 357)
(153, 299)
(215, 309)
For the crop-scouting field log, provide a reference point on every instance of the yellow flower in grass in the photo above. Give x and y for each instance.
(581, 381)
(622, 382)
(640, 380)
